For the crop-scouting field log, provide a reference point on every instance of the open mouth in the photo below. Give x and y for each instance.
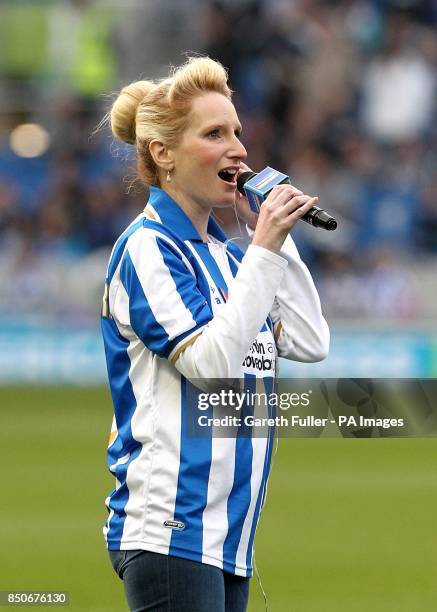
(229, 175)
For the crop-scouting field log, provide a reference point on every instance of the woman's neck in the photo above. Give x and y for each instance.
(198, 214)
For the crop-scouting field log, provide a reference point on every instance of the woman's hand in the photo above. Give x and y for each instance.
(281, 210)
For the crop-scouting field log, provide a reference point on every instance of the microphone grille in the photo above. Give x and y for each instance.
(242, 179)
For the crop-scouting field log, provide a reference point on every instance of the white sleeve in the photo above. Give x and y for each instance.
(219, 351)
(301, 331)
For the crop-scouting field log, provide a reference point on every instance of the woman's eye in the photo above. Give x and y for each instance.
(214, 133)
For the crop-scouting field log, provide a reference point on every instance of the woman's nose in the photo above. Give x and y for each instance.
(238, 149)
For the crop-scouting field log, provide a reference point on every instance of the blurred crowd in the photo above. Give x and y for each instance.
(340, 95)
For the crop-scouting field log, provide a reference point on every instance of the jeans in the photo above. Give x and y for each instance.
(156, 582)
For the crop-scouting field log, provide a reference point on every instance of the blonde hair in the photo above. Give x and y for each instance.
(147, 110)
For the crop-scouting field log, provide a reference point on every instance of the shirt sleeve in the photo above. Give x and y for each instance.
(221, 348)
(301, 332)
(157, 296)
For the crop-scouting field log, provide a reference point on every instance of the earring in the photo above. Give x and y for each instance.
(168, 179)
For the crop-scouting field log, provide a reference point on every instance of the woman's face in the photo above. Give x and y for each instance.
(209, 146)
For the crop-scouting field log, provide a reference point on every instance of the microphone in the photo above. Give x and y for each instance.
(257, 186)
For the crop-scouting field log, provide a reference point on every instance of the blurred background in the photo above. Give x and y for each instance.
(340, 95)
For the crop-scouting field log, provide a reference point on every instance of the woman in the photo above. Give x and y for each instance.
(181, 302)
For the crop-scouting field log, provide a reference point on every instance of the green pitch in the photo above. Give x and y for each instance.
(349, 525)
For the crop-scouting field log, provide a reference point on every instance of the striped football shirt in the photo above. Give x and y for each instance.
(177, 308)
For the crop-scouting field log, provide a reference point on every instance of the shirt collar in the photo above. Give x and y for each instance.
(172, 216)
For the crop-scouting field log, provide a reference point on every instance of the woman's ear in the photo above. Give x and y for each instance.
(161, 155)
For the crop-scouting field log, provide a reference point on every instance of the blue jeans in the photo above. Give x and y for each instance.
(156, 582)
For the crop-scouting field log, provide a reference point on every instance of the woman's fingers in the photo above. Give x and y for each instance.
(288, 214)
(281, 210)
(300, 205)
(281, 194)
(294, 208)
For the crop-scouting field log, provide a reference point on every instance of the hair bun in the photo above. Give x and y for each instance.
(124, 110)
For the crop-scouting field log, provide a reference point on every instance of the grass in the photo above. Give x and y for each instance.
(349, 525)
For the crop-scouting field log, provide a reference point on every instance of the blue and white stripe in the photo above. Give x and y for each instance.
(164, 288)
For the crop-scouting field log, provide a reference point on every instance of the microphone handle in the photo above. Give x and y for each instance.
(317, 216)
(320, 218)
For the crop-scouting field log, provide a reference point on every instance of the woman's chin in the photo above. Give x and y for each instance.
(225, 201)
